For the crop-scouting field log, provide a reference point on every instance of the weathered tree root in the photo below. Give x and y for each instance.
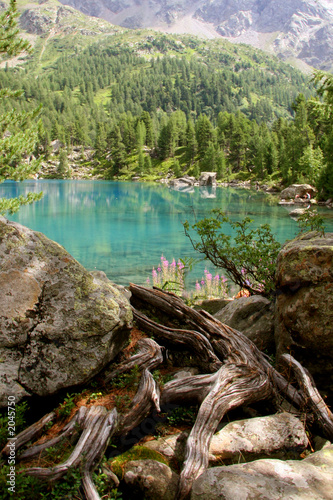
(147, 397)
(193, 340)
(97, 427)
(311, 396)
(30, 433)
(149, 356)
(245, 376)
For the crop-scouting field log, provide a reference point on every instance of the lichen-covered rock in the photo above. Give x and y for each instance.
(150, 480)
(253, 316)
(304, 305)
(59, 324)
(269, 479)
(280, 436)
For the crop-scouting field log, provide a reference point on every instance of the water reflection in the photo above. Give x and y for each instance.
(123, 228)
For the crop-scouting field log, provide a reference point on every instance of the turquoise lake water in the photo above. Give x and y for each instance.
(123, 228)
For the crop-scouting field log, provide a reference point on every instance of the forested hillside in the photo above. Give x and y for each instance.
(148, 102)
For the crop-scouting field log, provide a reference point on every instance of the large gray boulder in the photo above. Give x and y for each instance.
(253, 316)
(59, 325)
(304, 305)
(270, 479)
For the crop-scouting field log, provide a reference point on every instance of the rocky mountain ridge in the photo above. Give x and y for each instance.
(298, 29)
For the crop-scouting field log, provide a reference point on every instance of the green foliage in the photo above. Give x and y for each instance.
(67, 406)
(183, 415)
(28, 487)
(310, 220)
(130, 379)
(249, 260)
(20, 417)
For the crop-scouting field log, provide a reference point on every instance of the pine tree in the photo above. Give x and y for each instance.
(141, 162)
(19, 131)
(147, 165)
(63, 171)
(190, 142)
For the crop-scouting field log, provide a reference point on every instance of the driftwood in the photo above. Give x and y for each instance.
(235, 373)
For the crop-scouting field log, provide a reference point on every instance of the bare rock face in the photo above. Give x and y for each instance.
(308, 479)
(59, 324)
(300, 29)
(304, 306)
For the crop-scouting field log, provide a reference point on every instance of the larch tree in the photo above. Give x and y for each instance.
(19, 131)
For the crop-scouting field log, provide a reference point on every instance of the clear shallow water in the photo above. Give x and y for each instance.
(123, 228)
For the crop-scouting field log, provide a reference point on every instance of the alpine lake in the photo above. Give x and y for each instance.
(123, 228)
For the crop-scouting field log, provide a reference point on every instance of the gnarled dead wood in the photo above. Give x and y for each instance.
(30, 433)
(71, 430)
(147, 397)
(98, 426)
(193, 340)
(235, 385)
(149, 356)
(311, 397)
(227, 343)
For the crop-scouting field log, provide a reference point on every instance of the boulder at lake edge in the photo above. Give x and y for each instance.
(59, 325)
(304, 305)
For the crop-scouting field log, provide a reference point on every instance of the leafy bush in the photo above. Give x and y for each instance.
(249, 260)
(310, 220)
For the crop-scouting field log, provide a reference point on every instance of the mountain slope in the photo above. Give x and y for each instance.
(301, 29)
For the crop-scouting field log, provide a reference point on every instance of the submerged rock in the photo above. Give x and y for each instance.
(59, 324)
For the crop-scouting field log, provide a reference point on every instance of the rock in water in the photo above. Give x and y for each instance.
(59, 324)
(304, 305)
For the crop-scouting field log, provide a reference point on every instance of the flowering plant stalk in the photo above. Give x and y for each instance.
(171, 276)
